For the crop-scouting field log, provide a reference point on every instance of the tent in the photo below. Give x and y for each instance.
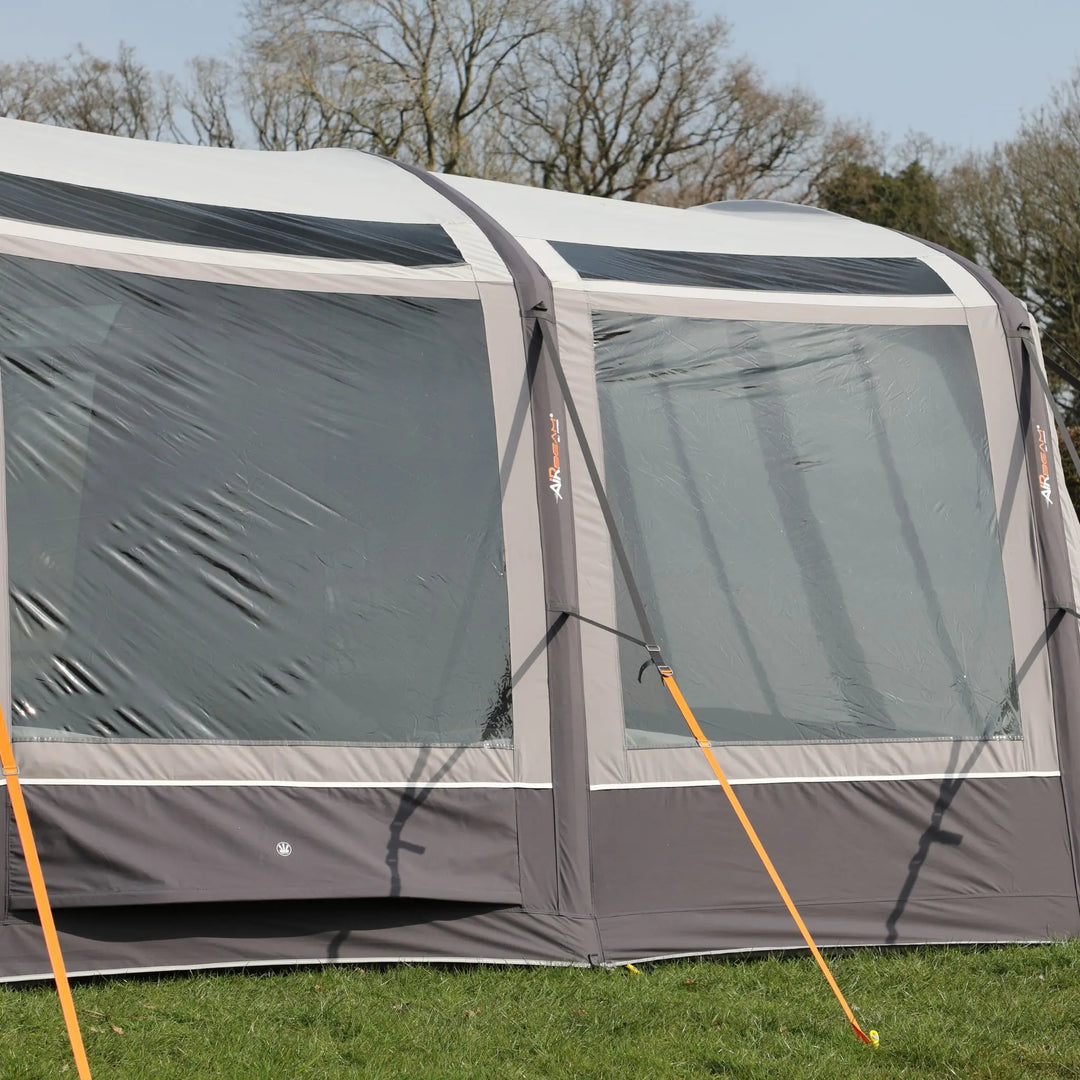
(321, 639)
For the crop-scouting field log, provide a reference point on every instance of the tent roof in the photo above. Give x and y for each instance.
(322, 183)
(338, 183)
(556, 215)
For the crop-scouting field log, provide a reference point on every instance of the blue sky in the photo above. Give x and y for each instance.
(958, 70)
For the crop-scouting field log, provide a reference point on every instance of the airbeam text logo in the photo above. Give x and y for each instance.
(555, 472)
(1044, 467)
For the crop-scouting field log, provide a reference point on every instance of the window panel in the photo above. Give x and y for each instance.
(769, 273)
(810, 514)
(247, 514)
(116, 213)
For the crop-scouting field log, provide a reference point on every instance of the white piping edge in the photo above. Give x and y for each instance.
(824, 779)
(763, 951)
(240, 966)
(72, 781)
(75, 781)
(794, 307)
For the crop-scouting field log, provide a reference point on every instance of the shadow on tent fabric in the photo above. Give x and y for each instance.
(712, 551)
(258, 919)
(412, 798)
(1017, 460)
(950, 788)
(498, 724)
(820, 580)
(459, 640)
(910, 536)
(499, 719)
(951, 785)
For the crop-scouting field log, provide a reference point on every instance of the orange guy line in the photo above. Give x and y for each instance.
(41, 899)
(668, 677)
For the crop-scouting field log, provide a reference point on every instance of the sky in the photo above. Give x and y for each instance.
(960, 71)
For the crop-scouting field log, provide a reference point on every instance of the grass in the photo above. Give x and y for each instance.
(999, 1013)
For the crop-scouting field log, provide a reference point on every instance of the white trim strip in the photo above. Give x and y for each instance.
(69, 781)
(774, 307)
(76, 781)
(823, 779)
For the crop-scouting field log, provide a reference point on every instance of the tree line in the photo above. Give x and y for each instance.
(634, 99)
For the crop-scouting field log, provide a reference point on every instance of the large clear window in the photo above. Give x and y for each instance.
(810, 514)
(246, 514)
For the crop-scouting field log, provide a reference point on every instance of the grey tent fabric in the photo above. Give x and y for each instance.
(310, 594)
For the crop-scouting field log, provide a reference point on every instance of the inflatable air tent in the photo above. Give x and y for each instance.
(317, 640)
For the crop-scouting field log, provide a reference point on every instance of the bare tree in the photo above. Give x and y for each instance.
(299, 87)
(991, 210)
(90, 93)
(28, 90)
(415, 79)
(772, 145)
(208, 101)
(1018, 208)
(636, 99)
(640, 99)
(617, 97)
(117, 97)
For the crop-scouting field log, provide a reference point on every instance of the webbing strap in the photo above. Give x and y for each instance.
(667, 676)
(561, 610)
(41, 900)
(1059, 369)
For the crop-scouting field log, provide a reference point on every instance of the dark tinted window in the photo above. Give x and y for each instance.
(49, 202)
(238, 513)
(810, 514)
(771, 273)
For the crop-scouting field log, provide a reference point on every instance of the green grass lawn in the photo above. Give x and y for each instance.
(949, 1012)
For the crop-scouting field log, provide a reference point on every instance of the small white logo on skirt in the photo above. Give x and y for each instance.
(284, 848)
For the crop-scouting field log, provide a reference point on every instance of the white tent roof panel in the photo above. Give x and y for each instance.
(325, 183)
(536, 213)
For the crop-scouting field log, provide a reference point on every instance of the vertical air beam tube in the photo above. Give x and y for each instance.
(41, 900)
(566, 680)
